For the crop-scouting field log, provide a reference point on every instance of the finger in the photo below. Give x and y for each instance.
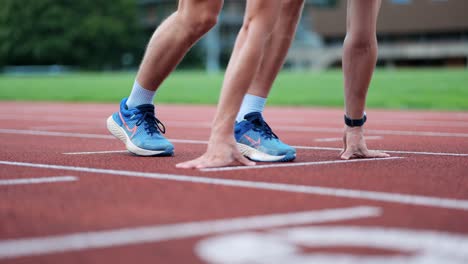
(181, 165)
(202, 165)
(245, 161)
(344, 145)
(188, 164)
(184, 165)
(377, 154)
(347, 154)
(212, 164)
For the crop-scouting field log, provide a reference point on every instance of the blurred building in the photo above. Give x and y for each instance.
(410, 32)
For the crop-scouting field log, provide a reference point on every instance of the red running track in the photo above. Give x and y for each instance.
(121, 208)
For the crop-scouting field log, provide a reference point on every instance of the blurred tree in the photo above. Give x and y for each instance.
(93, 34)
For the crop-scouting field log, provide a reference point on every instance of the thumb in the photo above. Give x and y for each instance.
(344, 145)
(347, 154)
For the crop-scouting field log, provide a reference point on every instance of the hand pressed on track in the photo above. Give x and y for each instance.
(220, 153)
(355, 145)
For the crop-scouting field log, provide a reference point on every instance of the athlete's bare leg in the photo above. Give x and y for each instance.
(174, 37)
(359, 58)
(259, 22)
(277, 47)
(168, 45)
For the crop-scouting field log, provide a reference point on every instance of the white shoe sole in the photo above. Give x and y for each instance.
(256, 155)
(119, 133)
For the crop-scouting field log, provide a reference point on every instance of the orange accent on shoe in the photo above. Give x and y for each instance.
(256, 143)
(130, 130)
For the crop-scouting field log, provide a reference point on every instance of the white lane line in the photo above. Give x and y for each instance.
(95, 152)
(189, 123)
(53, 133)
(149, 234)
(312, 129)
(38, 180)
(316, 190)
(339, 139)
(82, 135)
(48, 118)
(296, 129)
(391, 151)
(372, 131)
(295, 164)
(399, 122)
(61, 127)
(297, 147)
(188, 141)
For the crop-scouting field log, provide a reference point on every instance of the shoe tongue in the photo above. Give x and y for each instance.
(145, 108)
(252, 116)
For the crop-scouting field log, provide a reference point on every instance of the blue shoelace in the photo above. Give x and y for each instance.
(261, 126)
(151, 123)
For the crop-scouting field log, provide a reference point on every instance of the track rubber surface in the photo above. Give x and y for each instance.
(124, 209)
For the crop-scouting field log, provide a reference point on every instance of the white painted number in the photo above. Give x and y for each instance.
(284, 246)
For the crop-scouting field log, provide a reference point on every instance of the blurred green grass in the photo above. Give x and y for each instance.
(438, 89)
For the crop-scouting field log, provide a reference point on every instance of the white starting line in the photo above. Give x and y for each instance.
(399, 198)
(391, 151)
(37, 180)
(129, 236)
(296, 164)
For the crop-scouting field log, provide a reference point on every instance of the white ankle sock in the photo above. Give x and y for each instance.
(251, 103)
(139, 96)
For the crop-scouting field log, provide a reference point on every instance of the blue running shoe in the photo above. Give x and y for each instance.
(140, 130)
(256, 140)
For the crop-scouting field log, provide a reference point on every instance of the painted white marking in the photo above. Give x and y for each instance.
(408, 121)
(61, 127)
(295, 164)
(188, 141)
(394, 122)
(128, 236)
(426, 153)
(95, 152)
(185, 141)
(47, 118)
(398, 122)
(339, 139)
(288, 128)
(418, 200)
(312, 129)
(372, 131)
(297, 147)
(418, 247)
(334, 139)
(37, 180)
(83, 135)
(55, 134)
(391, 151)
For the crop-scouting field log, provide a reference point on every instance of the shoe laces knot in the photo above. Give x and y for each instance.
(261, 126)
(152, 125)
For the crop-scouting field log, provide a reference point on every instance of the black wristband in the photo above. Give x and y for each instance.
(355, 122)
